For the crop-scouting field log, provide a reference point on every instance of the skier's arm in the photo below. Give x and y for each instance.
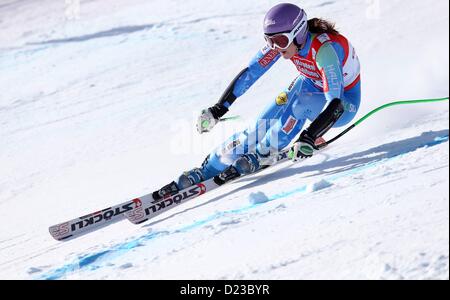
(329, 62)
(260, 64)
(263, 61)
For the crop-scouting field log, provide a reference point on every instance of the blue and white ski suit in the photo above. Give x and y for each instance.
(329, 68)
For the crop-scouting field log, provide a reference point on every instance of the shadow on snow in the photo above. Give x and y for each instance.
(329, 167)
(338, 165)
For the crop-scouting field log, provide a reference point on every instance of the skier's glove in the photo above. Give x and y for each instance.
(210, 117)
(303, 148)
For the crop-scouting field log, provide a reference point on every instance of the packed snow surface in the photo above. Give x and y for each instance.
(98, 105)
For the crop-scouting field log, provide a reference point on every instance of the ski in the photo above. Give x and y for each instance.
(93, 221)
(152, 207)
(142, 209)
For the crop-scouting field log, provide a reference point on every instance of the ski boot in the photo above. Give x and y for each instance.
(244, 165)
(193, 176)
(190, 178)
(166, 191)
(186, 180)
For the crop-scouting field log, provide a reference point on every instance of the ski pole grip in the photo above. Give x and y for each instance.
(205, 124)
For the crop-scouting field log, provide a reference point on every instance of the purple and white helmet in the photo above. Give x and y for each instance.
(283, 18)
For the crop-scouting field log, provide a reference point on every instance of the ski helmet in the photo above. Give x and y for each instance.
(283, 18)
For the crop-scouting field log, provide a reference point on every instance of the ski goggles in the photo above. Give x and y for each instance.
(283, 40)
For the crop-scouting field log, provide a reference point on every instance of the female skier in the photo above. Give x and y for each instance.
(327, 92)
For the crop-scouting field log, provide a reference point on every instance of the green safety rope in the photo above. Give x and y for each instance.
(206, 123)
(377, 110)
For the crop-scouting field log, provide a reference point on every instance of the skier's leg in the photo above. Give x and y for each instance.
(240, 153)
(285, 124)
(310, 102)
(299, 103)
(236, 146)
(307, 101)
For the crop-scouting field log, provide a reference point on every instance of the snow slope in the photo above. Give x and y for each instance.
(98, 106)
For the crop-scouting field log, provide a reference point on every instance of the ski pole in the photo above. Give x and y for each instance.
(205, 123)
(229, 118)
(377, 110)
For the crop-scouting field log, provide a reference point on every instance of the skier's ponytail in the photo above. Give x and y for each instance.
(320, 26)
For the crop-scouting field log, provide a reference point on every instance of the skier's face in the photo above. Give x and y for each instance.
(289, 52)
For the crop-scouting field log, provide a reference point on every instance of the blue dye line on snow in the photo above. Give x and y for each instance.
(89, 261)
